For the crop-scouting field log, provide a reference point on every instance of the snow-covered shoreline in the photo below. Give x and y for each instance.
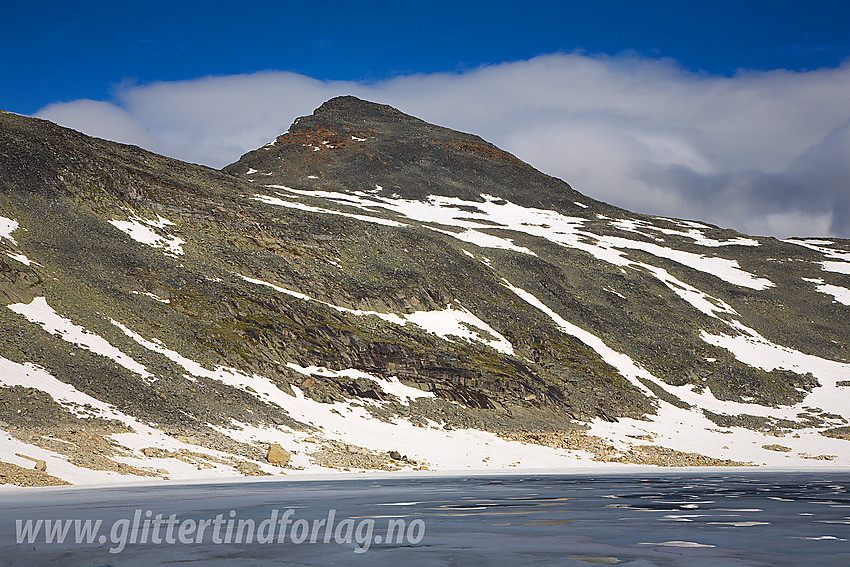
(602, 470)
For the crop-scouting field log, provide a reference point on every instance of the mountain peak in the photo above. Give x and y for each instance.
(353, 144)
(348, 107)
(350, 114)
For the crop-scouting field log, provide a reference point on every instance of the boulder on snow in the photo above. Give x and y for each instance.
(277, 455)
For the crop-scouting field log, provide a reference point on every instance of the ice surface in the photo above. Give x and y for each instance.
(518, 521)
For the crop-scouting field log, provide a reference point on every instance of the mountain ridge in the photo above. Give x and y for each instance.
(418, 280)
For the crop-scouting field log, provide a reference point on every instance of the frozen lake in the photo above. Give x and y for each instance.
(653, 519)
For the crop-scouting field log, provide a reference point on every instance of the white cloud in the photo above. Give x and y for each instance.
(764, 152)
(101, 119)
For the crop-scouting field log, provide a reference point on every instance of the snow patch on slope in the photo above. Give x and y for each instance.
(485, 240)
(80, 403)
(754, 350)
(38, 311)
(455, 449)
(701, 301)
(349, 422)
(840, 294)
(142, 230)
(553, 226)
(837, 260)
(22, 258)
(689, 430)
(152, 296)
(390, 386)
(449, 322)
(445, 323)
(7, 227)
(838, 267)
(260, 386)
(301, 206)
(699, 238)
(624, 365)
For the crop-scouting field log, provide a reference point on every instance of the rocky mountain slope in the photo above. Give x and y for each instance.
(369, 291)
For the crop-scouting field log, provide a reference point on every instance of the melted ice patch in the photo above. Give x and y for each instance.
(739, 524)
(677, 543)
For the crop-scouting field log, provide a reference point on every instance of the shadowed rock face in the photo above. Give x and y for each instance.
(351, 242)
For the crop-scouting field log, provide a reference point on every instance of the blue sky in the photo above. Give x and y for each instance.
(735, 113)
(58, 51)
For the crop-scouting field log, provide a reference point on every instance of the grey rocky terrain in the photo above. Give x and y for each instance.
(369, 291)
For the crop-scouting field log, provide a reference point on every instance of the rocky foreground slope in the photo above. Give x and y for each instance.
(369, 291)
